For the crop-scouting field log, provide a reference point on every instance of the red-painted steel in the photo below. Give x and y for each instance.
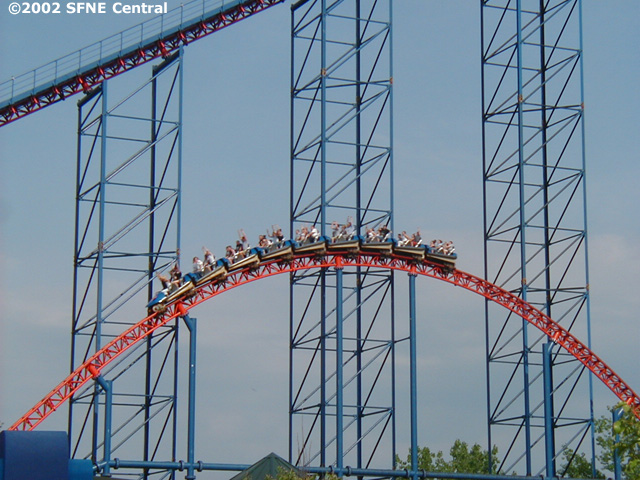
(92, 367)
(164, 47)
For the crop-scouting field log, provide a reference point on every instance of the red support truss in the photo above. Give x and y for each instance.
(92, 367)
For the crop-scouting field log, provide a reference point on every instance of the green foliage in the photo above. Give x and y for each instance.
(288, 474)
(605, 441)
(426, 460)
(628, 445)
(464, 459)
(577, 465)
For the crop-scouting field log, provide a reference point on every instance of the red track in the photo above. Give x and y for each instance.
(92, 367)
(85, 80)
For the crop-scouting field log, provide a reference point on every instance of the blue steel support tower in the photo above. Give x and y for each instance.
(127, 229)
(342, 350)
(539, 400)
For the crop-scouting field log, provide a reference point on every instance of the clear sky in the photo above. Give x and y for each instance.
(237, 81)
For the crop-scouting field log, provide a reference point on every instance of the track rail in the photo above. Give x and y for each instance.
(93, 366)
(159, 37)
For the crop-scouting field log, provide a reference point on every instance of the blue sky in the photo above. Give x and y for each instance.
(237, 81)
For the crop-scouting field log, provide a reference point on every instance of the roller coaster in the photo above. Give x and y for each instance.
(292, 256)
(285, 250)
(319, 145)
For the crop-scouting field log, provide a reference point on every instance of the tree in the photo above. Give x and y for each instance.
(287, 474)
(463, 459)
(627, 431)
(426, 460)
(576, 465)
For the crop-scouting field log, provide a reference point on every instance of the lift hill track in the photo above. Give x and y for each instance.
(90, 66)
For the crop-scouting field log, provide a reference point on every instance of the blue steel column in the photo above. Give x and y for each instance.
(323, 121)
(323, 229)
(358, 220)
(107, 387)
(152, 260)
(339, 376)
(91, 102)
(102, 187)
(191, 421)
(392, 329)
(550, 448)
(102, 207)
(586, 242)
(617, 464)
(523, 241)
(180, 120)
(413, 375)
